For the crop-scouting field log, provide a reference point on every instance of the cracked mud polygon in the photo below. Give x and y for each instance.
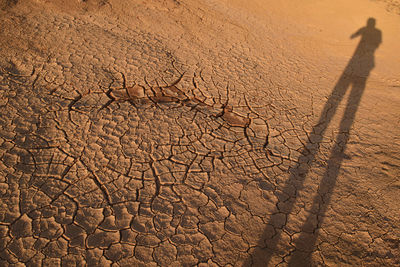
(199, 133)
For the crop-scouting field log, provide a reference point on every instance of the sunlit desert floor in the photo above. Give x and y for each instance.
(199, 133)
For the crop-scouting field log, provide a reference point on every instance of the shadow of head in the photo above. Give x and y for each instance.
(371, 23)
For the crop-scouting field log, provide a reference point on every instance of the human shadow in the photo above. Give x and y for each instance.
(304, 243)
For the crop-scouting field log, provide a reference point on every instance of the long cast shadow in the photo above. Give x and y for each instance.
(355, 76)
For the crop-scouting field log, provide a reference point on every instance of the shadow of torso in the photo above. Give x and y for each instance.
(363, 60)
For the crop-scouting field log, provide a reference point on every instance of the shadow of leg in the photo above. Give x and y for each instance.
(305, 241)
(294, 184)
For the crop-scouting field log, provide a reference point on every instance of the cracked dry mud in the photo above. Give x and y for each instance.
(197, 133)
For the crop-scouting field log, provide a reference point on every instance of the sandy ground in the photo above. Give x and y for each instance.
(199, 133)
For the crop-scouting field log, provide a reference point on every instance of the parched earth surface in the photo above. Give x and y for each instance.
(199, 133)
